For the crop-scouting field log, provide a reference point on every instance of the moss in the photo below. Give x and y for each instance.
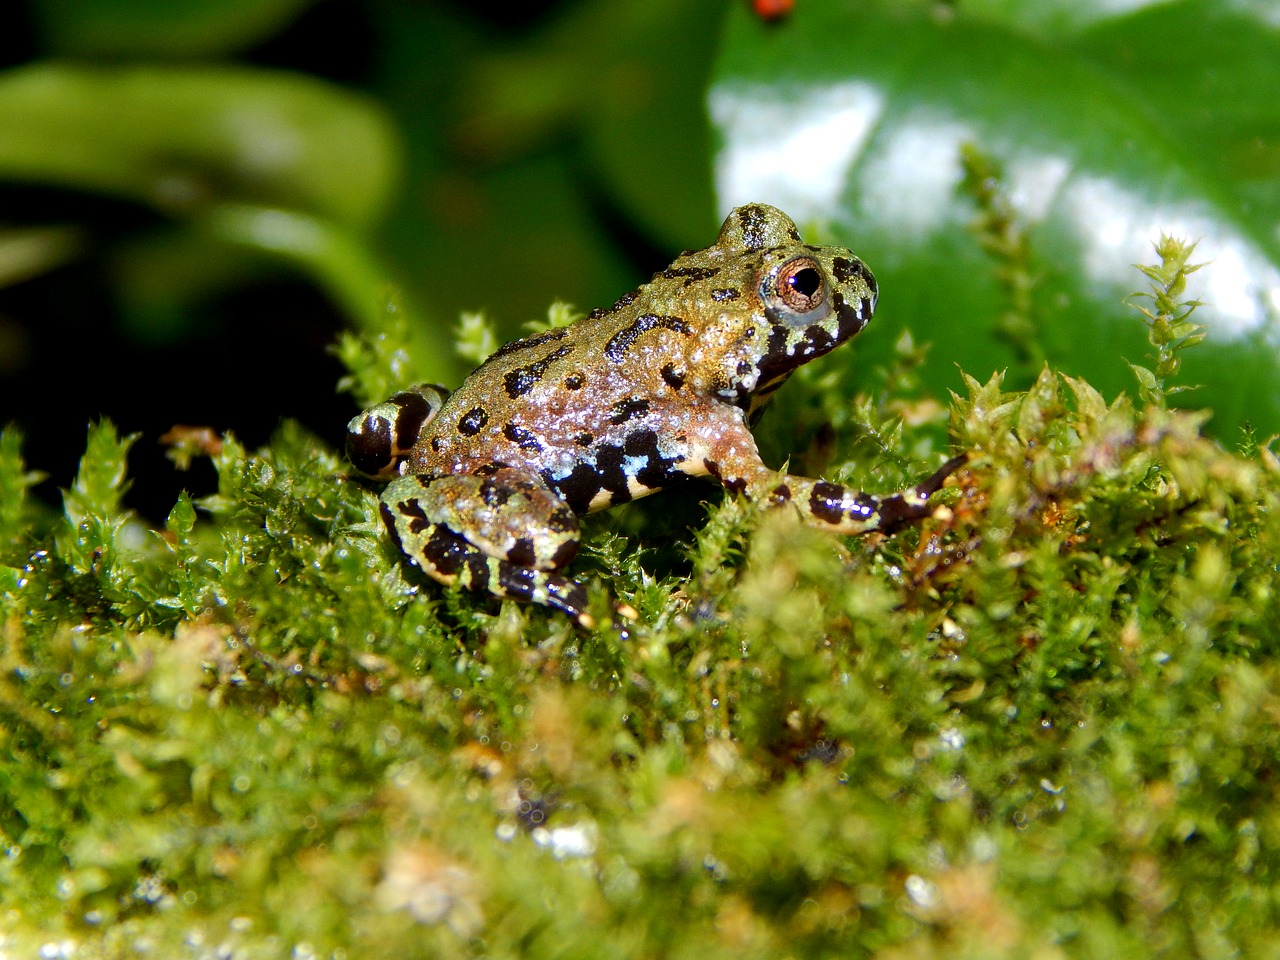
(1043, 723)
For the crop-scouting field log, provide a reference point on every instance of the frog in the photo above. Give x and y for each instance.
(486, 484)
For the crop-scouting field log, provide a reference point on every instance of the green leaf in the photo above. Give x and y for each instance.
(185, 140)
(100, 482)
(159, 28)
(15, 479)
(1147, 387)
(182, 518)
(1109, 126)
(1090, 406)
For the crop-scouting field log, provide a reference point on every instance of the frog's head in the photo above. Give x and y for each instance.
(808, 299)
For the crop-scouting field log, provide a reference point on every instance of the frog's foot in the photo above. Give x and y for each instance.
(505, 533)
(379, 439)
(449, 558)
(896, 511)
(843, 510)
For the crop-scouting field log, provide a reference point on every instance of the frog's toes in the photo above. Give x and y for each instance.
(421, 515)
(450, 558)
(913, 504)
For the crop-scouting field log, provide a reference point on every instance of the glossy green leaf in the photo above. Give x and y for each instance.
(1101, 127)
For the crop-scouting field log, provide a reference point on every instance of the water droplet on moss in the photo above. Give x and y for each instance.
(921, 891)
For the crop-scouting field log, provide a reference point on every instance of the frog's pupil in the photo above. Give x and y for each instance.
(800, 288)
(807, 281)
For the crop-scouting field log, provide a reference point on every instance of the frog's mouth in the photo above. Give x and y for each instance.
(790, 347)
(761, 397)
(851, 318)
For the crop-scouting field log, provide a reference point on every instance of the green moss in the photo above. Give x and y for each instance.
(1043, 723)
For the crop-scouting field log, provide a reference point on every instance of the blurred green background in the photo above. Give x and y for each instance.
(196, 196)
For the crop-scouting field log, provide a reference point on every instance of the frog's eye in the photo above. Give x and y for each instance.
(796, 293)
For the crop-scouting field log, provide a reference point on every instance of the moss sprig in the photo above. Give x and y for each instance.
(378, 362)
(1005, 237)
(17, 512)
(1169, 327)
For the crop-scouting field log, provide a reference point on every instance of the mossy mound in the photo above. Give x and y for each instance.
(1041, 724)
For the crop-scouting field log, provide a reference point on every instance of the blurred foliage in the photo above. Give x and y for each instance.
(451, 173)
(158, 29)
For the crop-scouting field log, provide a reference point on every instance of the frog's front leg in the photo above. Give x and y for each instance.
(380, 439)
(730, 455)
(507, 533)
(835, 507)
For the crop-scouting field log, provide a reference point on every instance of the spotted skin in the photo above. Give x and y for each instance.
(487, 483)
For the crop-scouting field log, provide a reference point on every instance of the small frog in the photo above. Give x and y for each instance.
(487, 482)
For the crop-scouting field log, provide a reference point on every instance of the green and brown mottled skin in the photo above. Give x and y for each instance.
(487, 482)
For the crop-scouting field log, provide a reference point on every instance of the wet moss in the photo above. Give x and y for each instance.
(1041, 723)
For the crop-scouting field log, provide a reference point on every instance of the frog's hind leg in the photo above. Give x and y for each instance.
(504, 533)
